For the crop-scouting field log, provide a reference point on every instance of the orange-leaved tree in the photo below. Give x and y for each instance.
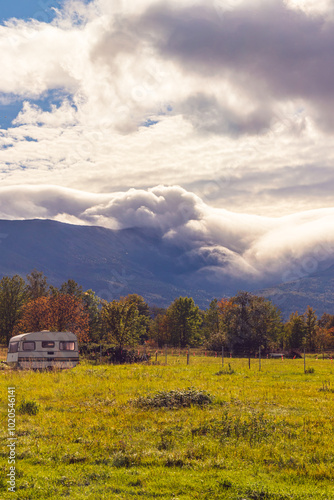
(61, 312)
(35, 316)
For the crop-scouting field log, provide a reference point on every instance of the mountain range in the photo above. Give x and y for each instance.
(115, 263)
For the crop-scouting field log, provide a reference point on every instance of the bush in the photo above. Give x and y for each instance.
(226, 371)
(28, 407)
(215, 342)
(175, 399)
(111, 354)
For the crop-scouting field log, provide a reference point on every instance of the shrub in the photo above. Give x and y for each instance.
(175, 399)
(226, 371)
(111, 354)
(215, 342)
(28, 407)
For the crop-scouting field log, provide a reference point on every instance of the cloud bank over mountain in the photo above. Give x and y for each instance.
(229, 99)
(218, 242)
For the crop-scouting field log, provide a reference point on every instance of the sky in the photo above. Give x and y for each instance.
(210, 121)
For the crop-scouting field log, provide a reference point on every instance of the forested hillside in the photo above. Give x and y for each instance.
(118, 263)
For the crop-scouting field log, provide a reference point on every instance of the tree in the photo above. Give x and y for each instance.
(159, 329)
(13, 294)
(121, 322)
(266, 322)
(155, 310)
(326, 321)
(92, 305)
(295, 331)
(37, 285)
(247, 322)
(210, 325)
(71, 287)
(143, 314)
(310, 329)
(67, 313)
(183, 320)
(241, 320)
(228, 334)
(35, 316)
(56, 313)
(325, 332)
(324, 338)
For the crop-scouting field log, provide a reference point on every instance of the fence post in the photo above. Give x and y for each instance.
(249, 361)
(188, 357)
(166, 354)
(156, 356)
(100, 354)
(222, 356)
(259, 358)
(304, 361)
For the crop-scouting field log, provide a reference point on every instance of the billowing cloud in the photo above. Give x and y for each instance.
(216, 242)
(267, 52)
(231, 100)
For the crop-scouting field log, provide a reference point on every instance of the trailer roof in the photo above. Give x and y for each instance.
(44, 335)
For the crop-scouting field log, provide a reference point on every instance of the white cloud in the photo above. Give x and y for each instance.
(230, 99)
(321, 7)
(218, 242)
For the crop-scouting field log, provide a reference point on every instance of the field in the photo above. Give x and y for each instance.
(83, 433)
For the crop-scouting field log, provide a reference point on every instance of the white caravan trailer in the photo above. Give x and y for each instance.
(41, 350)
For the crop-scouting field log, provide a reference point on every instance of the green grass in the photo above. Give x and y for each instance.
(261, 435)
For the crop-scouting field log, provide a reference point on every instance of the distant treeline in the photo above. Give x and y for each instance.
(243, 322)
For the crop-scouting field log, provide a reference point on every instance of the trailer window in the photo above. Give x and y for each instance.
(66, 346)
(28, 346)
(47, 344)
(13, 347)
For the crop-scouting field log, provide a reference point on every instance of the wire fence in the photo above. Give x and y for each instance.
(169, 355)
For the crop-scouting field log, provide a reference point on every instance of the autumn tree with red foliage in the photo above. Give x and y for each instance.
(60, 313)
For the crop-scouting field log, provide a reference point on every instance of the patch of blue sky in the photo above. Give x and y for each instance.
(149, 123)
(41, 10)
(9, 111)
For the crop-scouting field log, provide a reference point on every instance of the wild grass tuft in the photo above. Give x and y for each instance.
(180, 398)
(28, 407)
(226, 371)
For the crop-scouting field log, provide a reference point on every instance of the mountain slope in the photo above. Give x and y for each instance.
(116, 263)
(112, 263)
(316, 290)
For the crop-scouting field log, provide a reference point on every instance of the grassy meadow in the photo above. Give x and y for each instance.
(266, 434)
